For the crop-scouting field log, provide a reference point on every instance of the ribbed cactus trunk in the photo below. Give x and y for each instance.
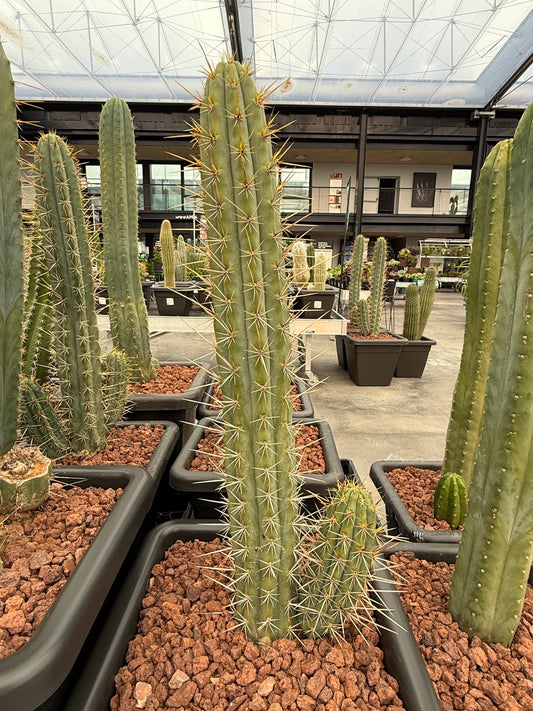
(180, 260)
(354, 291)
(489, 240)
(11, 261)
(491, 573)
(166, 240)
(127, 308)
(370, 310)
(418, 307)
(300, 267)
(251, 319)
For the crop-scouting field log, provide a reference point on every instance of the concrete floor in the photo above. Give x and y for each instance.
(407, 420)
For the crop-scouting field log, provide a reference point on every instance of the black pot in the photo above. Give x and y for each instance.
(372, 362)
(413, 358)
(307, 410)
(398, 517)
(95, 685)
(179, 408)
(102, 297)
(205, 487)
(314, 303)
(35, 676)
(176, 301)
(341, 352)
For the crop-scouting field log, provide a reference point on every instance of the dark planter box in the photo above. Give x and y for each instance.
(205, 487)
(35, 676)
(102, 297)
(174, 302)
(398, 517)
(372, 362)
(204, 410)
(95, 685)
(413, 358)
(179, 408)
(341, 352)
(314, 303)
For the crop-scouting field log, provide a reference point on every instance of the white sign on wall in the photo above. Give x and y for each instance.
(335, 192)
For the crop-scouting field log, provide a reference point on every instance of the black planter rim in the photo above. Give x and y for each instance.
(187, 400)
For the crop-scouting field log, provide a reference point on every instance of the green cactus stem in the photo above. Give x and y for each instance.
(166, 239)
(354, 292)
(180, 257)
(411, 313)
(489, 239)
(127, 308)
(427, 297)
(11, 260)
(340, 563)
(311, 260)
(491, 572)
(368, 312)
(300, 268)
(251, 320)
(114, 385)
(25, 479)
(320, 271)
(450, 499)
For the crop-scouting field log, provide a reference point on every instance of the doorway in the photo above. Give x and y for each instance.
(387, 196)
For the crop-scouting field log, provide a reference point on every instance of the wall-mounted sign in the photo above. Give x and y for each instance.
(335, 192)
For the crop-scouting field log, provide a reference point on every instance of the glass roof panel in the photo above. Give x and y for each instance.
(348, 52)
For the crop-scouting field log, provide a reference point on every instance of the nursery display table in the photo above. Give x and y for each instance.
(302, 328)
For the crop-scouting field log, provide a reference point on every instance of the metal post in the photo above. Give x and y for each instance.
(361, 159)
(480, 153)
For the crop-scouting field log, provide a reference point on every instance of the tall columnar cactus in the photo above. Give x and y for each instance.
(489, 240)
(311, 261)
(127, 308)
(491, 573)
(341, 561)
(300, 268)
(320, 271)
(251, 321)
(371, 309)
(75, 419)
(166, 240)
(418, 307)
(354, 292)
(180, 259)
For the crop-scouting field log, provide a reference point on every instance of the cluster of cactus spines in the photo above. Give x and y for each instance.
(491, 573)
(341, 562)
(311, 261)
(450, 499)
(300, 267)
(320, 271)
(11, 260)
(166, 241)
(418, 306)
(371, 309)
(127, 308)
(354, 292)
(75, 419)
(489, 240)
(180, 259)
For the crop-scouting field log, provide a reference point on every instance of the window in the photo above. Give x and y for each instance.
(92, 176)
(165, 186)
(296, 192)
(460, 187)
(191, 188)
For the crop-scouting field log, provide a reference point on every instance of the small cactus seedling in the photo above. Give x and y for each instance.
(450, 499)
(166, 240)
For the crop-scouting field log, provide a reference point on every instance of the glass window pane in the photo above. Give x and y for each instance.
(165, 186)
(295, 196)
(192, 184)
(460, 188)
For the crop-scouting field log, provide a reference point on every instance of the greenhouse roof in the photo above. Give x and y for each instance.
(427, 53)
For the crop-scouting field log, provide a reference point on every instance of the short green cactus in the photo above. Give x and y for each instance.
(300, 268)
(180, 260)
(450, 499)
(320, 271)
(418, 306)
(166, 240)
(370, 310)
(127, 308)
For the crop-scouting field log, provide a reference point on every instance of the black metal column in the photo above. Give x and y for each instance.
(361, 160)
(480, 153)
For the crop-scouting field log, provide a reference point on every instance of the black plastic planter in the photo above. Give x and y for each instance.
(413, 358)
(341, 352)
(176, 301)
(34, 676)
(398, 517)
(102, 297)
(205, 488)
(372, 362)
(95, 685)
(179, 408)
(314, 303)
(204, 410)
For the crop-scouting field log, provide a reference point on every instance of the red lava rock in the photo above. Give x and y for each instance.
(169, 379)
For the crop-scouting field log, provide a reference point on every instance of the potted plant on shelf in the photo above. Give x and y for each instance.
(367, 352)
(312, 297)
(176, 295)
(418, 304)
(280, 580)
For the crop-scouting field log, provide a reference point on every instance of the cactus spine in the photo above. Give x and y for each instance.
(418, 307)
(491, 573)
(371, 309)
(300, 267)
(180, 255)
(320, 271)
(166, 239)
(450, 499)
(354, 293)
(489, 240)
(127, 309)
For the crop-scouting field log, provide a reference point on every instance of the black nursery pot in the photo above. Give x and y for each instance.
(399, 520)
(35, 677)
(413, 358)
(95, 685)
(177, 301)
(372, 362)
(314, 303)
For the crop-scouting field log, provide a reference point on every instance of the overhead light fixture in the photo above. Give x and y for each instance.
(405, 159)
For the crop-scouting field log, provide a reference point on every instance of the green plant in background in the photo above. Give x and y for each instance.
(450, 499)
(370, 310)
(418, 306)
(311, 261)
(300, 268)
(489, 240)
(354, 291)
(166, 240)
(180, 259)
(320, 271)
(24, 472)
(196, 262)
(128, 317)
(253, 350)
(70, 415)
(491, 573)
